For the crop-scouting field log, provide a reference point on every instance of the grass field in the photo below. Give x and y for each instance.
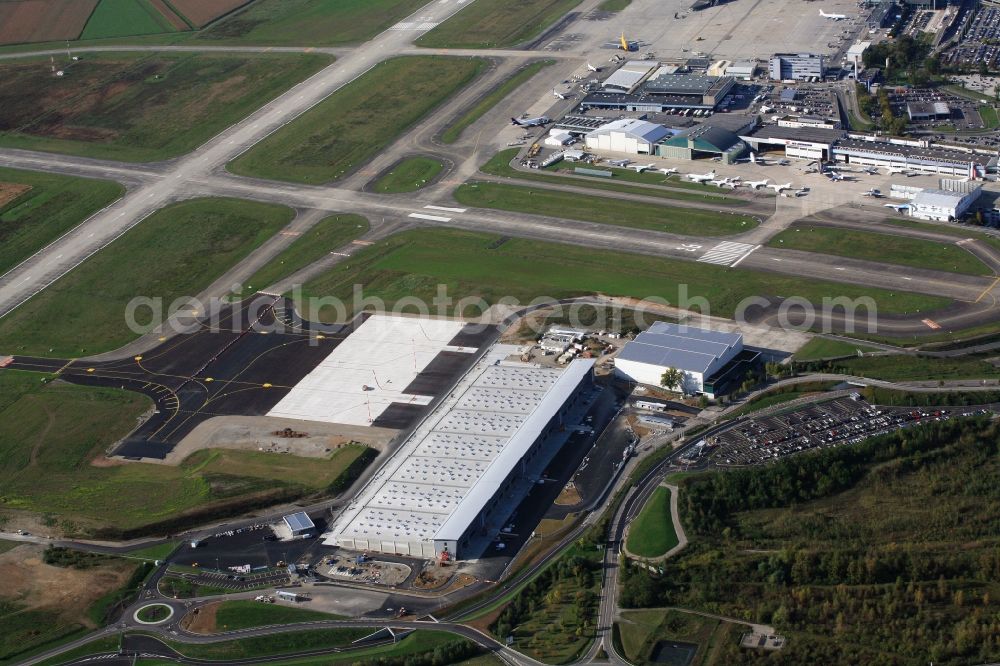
(313, 22)
(919, 368)
(825, 348)
(50, 433)
(779, 396)
(123, 18)
(409, 175)
(190, 243)
(54, 205)
(880, 247)
(470, 264)
(499, 165)
(495, 96)
(614, 5)
(233, 615)
(342, 132)
(652, 533)
(641, 630)
(569, 205)
(484, 24)
(157, 552)
(139, 107)
(326, 236)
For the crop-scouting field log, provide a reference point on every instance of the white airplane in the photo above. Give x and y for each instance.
(871, 171)
(834, 176)
(530, 122)
(757, 184)
(723, 182)
(873, 193)
(701, 177)
(900, 170)
(667, 171)
(899, 208)
(778, 188)
(619, 163)
(592, 68)
(639, 168)
(835, 17)
(757, 160)
(559, 94)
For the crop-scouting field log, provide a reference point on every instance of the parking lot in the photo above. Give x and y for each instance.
(836, 422)
(981, 43)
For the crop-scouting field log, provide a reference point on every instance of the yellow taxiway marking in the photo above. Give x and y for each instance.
(68, 363)
(988, 289)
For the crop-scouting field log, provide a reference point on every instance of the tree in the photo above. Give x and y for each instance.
(672, 379)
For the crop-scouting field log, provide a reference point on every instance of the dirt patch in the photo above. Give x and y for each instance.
(201, 620)
(25, 578)
(433, 576)
(569, 495)
(11, 191)
(258, 433)
(24, 21)
(202, 12)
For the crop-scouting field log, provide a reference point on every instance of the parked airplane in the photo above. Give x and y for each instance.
(724, 182)
(757, 184)
(899, 208)
(592, 68)
(873, 193)
(530, 122)
(871, 171)
(701, 177)
(778, 188)
(639, 168)
(900, 170)
(834, 176)
(619, 163)
(559, 94)
(835, 17)
(667, 171)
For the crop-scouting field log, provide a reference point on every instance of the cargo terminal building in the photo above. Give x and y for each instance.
(663, 90)
(459, 476)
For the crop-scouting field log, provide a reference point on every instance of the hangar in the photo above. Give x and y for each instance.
(458, 477)
(636, 137)
(703, 141)
(705, 357)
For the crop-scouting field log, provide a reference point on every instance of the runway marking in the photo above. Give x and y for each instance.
(446, 208)
(363, 242)
(290, 233)
(728, 253)
(68, 363)
(341, 254)
(988, 289)
(433, 218)
(930, 323)
(839, 269)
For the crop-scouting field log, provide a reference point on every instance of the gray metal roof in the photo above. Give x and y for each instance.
(682, 347)
(299, 521)
(639, 129)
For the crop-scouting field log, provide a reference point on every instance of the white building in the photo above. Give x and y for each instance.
(741, 69)
(943, 205)
(457, 478)
(698, 353)
(796, 66)
(627, 135)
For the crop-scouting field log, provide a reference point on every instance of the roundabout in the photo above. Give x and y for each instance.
(155, 613)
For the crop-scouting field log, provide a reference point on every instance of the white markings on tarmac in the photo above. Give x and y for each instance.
(728, 253)
(446, 208)
(433, 218)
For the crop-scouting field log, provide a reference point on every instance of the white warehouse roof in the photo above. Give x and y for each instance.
(450, 467)
(682, 347)
(629, 75)
(641, 130)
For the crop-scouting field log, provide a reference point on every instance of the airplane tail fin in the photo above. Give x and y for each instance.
(513, 121)
(624, 42)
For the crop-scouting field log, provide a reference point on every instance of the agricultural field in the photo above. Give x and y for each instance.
(652, 533)
(53, 436)
(329, 234)
(869, 246)
(25, 21)
(482, 265)
(190, 243)
(314, 22)
(573, 206)
(36, 208)
(484, 24)
(202, 12)
(139, 107)
(125, 18)
(341, 133)
(409, 175)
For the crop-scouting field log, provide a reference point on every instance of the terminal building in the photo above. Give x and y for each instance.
(455, 481)
(663, 90)
(710, 360)
(913, 156)
(796, 66)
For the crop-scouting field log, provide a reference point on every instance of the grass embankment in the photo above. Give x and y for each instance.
(312, 22)
(780, 396)
(326, 236)
(604, 210)
(485, 25)
(500, 93)
(51, 432)
(153, 553)
(644, 632)
(916, 368)
(409, 175)
(652, 533)
(53, 205)
(175, 253)
(233, 615)
(140, 107)
(819, 348)
(882, 248)
(357, 121)
(499, 165)
(414, 263)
